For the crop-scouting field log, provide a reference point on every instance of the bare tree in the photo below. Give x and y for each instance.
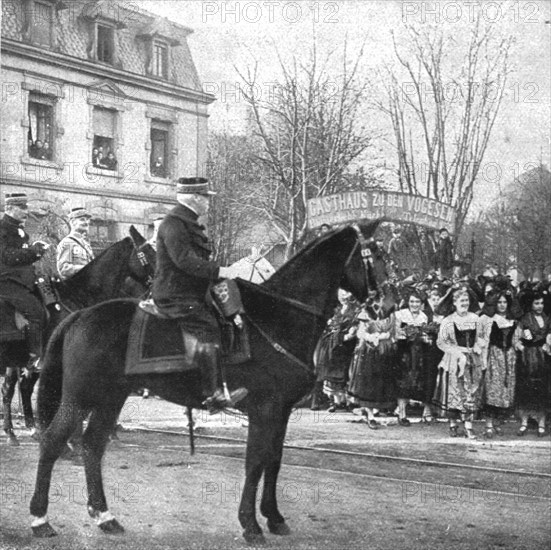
(442, 114)
(49, 224)
(515, 232)
(310, 135)
(529, 206)
(234, 175)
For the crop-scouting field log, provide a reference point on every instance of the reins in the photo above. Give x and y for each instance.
(278, 347)
(301, 306)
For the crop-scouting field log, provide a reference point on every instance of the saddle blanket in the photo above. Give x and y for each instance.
(155, 346)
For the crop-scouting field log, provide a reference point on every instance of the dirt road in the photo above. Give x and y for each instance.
(167, 499)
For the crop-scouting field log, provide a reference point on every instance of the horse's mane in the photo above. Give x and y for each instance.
(294, 266)
(104, 273)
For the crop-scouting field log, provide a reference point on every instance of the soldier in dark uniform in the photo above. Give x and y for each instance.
(17, 275)
(182, 278)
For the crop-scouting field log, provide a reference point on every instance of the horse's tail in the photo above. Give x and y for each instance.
(51, 377)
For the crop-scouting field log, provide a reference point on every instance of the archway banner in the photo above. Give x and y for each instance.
(353, 206)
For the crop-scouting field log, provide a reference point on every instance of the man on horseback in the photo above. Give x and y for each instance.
(182, 278)
(17, 275)
(74, 250)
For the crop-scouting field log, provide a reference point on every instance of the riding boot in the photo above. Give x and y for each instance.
(216, 398)
(34, 341)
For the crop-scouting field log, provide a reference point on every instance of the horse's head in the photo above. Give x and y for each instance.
(143, 260)
(365, 269)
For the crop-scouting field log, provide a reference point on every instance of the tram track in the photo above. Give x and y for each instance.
(414, 474)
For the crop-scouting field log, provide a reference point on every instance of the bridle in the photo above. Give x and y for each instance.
(144, 262)
(365, 252)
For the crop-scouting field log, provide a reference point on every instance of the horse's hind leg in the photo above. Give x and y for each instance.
(52, 443)
(268, 504)
(8, 389)
(94, 442)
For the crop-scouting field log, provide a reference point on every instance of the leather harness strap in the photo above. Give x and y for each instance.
(279, 348)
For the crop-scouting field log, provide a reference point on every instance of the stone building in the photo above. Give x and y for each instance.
(101, 107)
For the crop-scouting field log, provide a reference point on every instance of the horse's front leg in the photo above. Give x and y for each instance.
(8, 389)
(27, 387)
(257, 451)
(268, 505)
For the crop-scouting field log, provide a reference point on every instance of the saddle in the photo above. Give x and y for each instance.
(156, 346)
(13, 323)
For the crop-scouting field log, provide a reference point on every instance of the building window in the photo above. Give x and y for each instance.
(104, 146)
(41, 127)
(105, 43)
(160, 60)
(160, 133)
(101, 234)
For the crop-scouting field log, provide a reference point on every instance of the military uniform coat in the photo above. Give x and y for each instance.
(73, 253)
(183, 271)
(16, 255)
(17, 277)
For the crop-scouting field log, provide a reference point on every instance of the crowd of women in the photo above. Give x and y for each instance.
(465, 350)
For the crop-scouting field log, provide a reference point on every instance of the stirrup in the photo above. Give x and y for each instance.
(221, 400)
(33, 365)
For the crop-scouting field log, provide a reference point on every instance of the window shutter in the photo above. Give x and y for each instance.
(104, 122)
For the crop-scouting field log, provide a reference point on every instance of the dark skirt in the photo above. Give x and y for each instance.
(415, 371)
(333, 359)
(534, 379)
(372, 378)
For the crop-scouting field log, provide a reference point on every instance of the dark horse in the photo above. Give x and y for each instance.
(104, 278)
(84, 375)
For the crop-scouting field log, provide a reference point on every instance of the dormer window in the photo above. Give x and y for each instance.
(39, 18)
(158, 38)
(42, 24)
(160, 59)
(102, 45)
(105, 43)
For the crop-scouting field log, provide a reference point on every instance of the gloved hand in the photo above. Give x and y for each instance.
(225, 273)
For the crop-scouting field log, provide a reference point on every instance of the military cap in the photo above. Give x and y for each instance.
(197, 186)
(79, 212)
(16, 199)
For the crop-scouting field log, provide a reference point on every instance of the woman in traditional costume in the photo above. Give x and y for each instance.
(371, 371)
(498, 342)
(435, 353)
(534, 364)
(335, 348)
(460, 373)
(415, 375)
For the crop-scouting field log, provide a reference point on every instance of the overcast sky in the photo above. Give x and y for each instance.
(229, 34)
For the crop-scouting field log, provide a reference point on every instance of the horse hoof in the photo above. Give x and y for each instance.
(280, 528)
(44, 531)
(254, 538)
(112, 527)
(13, 441)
